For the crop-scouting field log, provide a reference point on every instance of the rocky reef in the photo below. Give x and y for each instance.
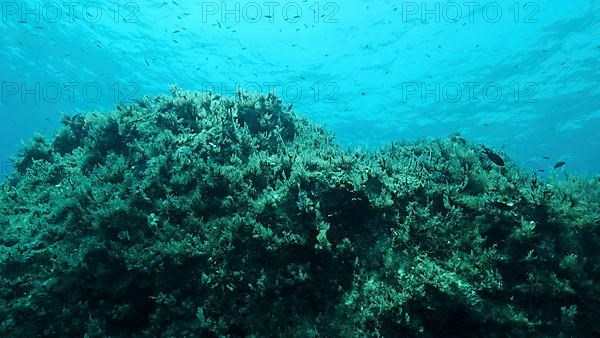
(194, 215)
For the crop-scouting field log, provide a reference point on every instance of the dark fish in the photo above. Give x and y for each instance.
(559, 164)
(147, 63)
(123, 235)
(501, 205)
(459, 139)
(494, 157)
(545, 157)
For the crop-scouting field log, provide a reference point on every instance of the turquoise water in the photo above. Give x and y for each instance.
(520, 76)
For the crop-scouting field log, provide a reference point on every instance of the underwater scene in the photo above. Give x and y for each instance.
(300, 168)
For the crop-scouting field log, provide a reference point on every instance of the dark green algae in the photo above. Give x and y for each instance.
(193, 215)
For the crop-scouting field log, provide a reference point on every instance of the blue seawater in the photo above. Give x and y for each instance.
(519, 76)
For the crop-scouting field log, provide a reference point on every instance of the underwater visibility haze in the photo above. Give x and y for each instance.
(300, 169)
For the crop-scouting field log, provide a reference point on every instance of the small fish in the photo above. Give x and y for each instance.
(493, 157)
(541, 170)
(123, 235)
(502, 205)
(559, 164)
(545, 157)
(459, 139)
(147, 63)
(176, 31)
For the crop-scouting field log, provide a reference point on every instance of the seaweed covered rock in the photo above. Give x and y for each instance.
(196, 215)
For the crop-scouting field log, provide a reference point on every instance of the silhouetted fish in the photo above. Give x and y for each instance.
(493, 157)
(501, 205)
(559, 164)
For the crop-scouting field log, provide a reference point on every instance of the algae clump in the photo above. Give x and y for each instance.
(193, 215)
